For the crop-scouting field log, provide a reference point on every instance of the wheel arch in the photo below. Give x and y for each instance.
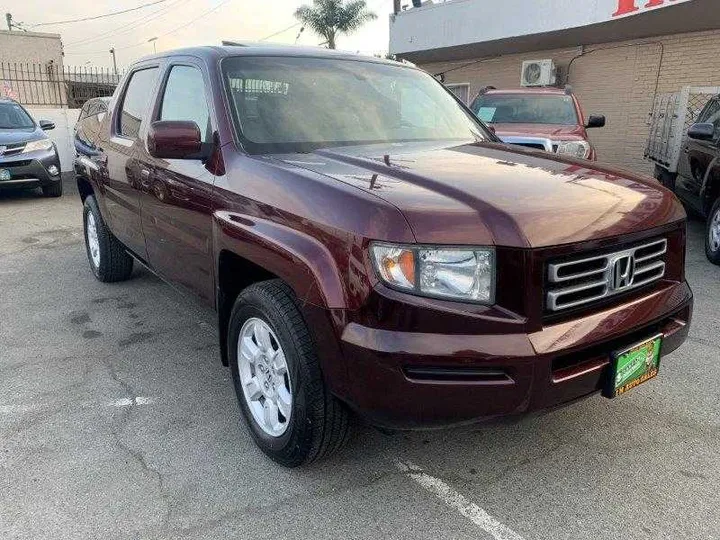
(250, 249)
(711, 189)
(85, 187)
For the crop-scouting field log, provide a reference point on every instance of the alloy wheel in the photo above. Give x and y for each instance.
(92, 240)
(714, 231)
(264, 376)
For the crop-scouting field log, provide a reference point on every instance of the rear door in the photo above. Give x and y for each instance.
(177, 193)
(119, 158)
(697, 157)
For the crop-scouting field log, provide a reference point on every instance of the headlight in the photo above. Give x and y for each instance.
(42, 144)
(455, 273)
(578, 149)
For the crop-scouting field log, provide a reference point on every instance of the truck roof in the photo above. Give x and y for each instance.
(211, 52)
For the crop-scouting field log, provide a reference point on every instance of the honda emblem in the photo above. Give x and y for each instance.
(623, 272)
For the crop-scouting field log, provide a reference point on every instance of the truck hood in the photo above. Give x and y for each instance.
(551, 131)
(492, 194)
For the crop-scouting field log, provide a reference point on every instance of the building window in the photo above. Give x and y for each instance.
(462, 91)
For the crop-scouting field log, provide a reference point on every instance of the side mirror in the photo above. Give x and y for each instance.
(175, 139)
(46, 125)
(702, 132)
(596, 121)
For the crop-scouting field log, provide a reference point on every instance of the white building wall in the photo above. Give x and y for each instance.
(62, 135)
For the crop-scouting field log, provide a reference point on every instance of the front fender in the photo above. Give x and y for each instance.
(303, 262)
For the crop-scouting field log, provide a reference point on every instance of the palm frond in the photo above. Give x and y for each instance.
(328, 17)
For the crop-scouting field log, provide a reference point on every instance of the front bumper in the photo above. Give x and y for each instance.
(30, 170)
(406, 379)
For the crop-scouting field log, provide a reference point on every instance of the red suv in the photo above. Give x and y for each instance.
(369, 246)
(549, 119)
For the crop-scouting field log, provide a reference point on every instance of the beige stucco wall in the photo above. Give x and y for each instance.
(31, 47)
(31, 66)
(616, 79)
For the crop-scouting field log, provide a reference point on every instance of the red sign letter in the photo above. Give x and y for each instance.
(654, 3)
(627, 6)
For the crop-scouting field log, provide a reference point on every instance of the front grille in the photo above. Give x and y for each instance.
(539, 146)
(574, 283)
(11, 164)
(13, 149)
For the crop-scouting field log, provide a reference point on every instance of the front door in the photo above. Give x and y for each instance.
(177, 193)
(120, 172)
(697, 157)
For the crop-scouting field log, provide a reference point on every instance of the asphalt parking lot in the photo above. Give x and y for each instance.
(117, 420)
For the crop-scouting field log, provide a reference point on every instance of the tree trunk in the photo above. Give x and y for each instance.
(331, 40)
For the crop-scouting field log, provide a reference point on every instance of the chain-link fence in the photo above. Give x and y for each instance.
(50, 85)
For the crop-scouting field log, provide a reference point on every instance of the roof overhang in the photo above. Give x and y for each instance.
(413, 36)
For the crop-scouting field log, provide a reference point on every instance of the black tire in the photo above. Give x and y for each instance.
(318, 423)
(712, 251)
(114, 262)
(53, 190)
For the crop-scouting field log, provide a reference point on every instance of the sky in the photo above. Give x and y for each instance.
(180, 23)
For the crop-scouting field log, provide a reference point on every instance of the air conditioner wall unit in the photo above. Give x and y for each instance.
(538, 73)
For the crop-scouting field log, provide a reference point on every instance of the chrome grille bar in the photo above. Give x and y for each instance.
(581, 281)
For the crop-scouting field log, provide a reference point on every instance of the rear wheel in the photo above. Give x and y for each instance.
(107, 256)
(53, 190)
(286, 406)
(712, 234)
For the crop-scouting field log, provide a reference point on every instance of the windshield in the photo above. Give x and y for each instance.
(525, 109)
(291, 104)
(13, 116)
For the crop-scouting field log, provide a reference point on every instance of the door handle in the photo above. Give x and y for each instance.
(686, 149)
(145, 178)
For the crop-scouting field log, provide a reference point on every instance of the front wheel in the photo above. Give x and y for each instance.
(712, 234)
(286, 406)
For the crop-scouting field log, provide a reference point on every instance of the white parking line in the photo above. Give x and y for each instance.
(458, 502)
(126, 402)
(28, 407)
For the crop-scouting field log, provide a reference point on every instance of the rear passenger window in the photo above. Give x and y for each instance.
(184, 99)
(136, 101)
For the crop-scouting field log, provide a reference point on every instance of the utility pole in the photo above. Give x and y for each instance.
(8, 18)
(153, 40)
(112, 51)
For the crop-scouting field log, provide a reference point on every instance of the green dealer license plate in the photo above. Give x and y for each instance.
(634, 366)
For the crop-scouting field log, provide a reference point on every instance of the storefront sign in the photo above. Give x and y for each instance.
(625, 7)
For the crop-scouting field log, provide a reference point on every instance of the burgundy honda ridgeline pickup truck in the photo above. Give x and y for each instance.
(370, 246)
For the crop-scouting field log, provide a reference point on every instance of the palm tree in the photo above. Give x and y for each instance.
(328, 18)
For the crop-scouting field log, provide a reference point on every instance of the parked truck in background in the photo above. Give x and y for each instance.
(684, 144)
(545, 118)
